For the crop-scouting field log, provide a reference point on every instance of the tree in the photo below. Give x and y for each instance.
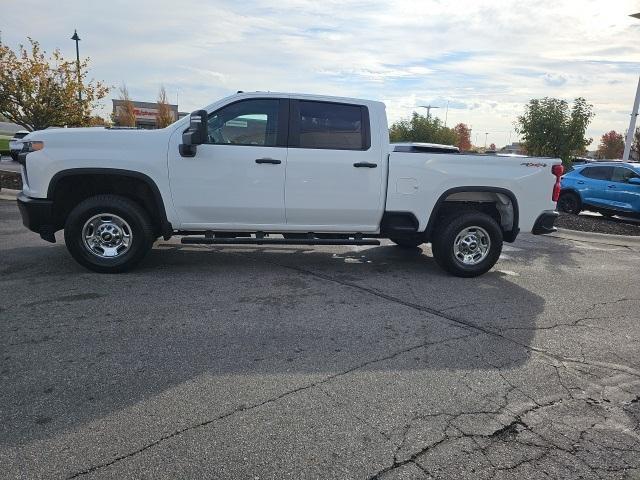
(37, 91)
(611, 145)
(464, 137)
(492, 146)
(125, 115)
(422, 129)
(97, 121)
(549, 129)
(164, 117)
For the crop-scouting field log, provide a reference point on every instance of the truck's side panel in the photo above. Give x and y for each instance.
(417, 180)
(143, 152)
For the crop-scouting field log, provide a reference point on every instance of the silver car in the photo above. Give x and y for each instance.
(15, 144)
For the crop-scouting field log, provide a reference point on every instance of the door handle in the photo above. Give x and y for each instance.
(365, 165)
(580, 182)
(611, 186)
(268, 160)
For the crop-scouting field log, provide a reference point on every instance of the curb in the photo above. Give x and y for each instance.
(8, 194)
(603, 238)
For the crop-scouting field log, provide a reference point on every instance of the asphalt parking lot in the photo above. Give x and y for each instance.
(319, 363)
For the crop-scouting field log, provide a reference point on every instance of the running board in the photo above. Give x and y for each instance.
(277, 241)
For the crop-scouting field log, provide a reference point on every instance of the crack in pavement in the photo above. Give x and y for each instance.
(471, 325)
(260, 404)
(466, 324)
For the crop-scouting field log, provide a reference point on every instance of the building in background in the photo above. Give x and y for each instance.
(146, 113)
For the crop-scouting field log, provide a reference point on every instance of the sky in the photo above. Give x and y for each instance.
(486, 59)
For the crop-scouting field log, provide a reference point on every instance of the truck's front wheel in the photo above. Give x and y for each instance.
(108, 233)
(467, 244)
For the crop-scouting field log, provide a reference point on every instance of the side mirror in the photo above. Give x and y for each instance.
(634, 181)
(195, 135)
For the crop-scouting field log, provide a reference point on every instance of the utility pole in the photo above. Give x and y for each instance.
(632, 125)
(428, 107)
(486, 135)
(77, 39)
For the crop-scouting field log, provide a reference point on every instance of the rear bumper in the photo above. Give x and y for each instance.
(544, 223)
(37, 216)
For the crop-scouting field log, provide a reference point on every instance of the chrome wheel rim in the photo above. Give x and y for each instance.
(107, 235)
(472, 245)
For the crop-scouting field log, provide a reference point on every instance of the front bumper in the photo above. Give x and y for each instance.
(544, 223)
(37, 216)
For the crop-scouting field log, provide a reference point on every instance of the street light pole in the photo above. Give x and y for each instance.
(77, 39)
(634, 115)
(446, 114)
(632, 125)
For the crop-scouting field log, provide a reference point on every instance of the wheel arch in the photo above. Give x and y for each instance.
(113, 180)
(571, 190)
(509, 235)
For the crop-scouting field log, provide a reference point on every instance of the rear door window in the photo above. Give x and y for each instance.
(333, 126)
(597, 173)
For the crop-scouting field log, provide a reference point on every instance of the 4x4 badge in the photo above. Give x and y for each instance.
(534, 164)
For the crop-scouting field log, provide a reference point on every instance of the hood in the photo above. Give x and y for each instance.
(93, 137)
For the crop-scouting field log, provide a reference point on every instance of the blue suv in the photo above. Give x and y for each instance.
(611, 188)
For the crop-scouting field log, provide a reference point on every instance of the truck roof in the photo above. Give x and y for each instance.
(306, 96)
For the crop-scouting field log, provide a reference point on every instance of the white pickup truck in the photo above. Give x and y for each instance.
(271, 168)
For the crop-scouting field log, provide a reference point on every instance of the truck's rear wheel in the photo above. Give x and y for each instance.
(407, 242)
(467, 244)
(108, 233)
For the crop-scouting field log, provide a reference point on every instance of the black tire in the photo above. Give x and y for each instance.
(14, 156)
(445, 236)
(407, 242)
(569, 202)
(138, 226)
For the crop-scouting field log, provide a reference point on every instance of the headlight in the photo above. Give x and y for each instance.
(32, 146)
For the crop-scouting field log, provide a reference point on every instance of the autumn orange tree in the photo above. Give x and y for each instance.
(164, 117)
(611, 145)
(38, 91)
(463, 133)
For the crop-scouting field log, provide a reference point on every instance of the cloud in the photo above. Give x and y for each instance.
(554, 80)
(487, 59)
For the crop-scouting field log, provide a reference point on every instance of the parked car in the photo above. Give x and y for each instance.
(610, 188)
(318, 170)
(15, 144)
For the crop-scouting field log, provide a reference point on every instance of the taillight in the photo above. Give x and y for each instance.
(557, 170)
